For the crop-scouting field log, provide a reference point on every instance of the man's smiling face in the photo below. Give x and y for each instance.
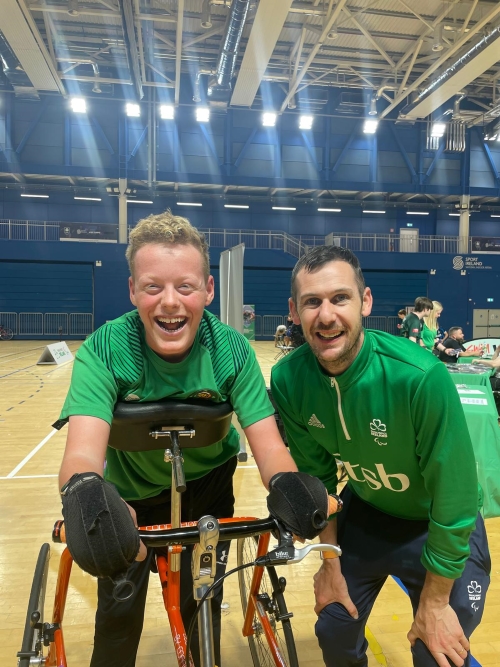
(329, 307)
(170, 291)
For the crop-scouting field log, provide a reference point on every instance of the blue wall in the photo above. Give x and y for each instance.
(396, 279)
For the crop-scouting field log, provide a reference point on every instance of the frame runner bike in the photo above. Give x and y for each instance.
(139, 427)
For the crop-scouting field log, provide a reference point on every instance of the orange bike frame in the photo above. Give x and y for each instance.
(57, 654)
(254, 606)
(170, 583)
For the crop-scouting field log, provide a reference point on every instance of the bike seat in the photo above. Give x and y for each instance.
(134, 423)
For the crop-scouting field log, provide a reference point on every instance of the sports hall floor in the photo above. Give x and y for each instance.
(30, 400)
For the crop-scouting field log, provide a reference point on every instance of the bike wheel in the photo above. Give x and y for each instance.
(6, 334)
(273, 586)
(32, 646)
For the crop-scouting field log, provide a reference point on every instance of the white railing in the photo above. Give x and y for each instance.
(48, 324)
(29, 230)
(32, 230)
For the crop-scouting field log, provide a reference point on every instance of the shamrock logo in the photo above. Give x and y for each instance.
(474, 588)
(376, 425)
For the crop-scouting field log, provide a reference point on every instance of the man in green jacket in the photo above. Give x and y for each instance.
(390, 412)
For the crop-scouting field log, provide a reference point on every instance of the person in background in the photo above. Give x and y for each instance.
(412, 325)
(401, 315)
(288, 333)
(455, 342)
(430, 331)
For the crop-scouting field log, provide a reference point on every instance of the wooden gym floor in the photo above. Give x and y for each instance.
(30, 400)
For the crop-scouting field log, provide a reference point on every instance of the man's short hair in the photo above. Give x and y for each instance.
(422, 303)
(166, 229)
(316, 258)
(453, 330)
(402, 311)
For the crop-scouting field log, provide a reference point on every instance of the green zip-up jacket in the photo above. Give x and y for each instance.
(395, 419)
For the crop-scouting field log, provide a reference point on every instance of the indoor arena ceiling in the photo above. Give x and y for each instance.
(407, 57)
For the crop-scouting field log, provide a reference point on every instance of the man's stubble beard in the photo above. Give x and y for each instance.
(341, 364)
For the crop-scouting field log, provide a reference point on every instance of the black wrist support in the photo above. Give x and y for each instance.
(300, 502)
(100, 531)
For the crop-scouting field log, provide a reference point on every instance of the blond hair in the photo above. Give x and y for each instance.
(431, 321)
(166, 229)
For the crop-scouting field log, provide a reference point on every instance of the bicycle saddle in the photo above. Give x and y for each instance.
(134, 423)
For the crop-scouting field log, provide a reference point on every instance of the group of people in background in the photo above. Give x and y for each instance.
(421, 326)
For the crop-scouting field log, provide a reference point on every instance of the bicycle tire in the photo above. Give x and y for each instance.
(259, 649)
(32, 645)
(6, 334)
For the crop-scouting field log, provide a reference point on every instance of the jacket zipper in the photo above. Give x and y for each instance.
(335, 384)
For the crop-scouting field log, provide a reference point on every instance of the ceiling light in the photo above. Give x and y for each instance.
(334, 33)
(202, 114)
(438, 129)
(329, 210)
(78, 105)
(133, 110)
(494, 216)
(306, 122)
(373, 106)
(41, 196)
(139, 201)
(370, 126)
(457, 215)
(284, 208)
(236, 206)
(187, 203)
(369, 211)
(437, 42)
(167, 111)
(72, 7)
(88, 198)
(417, 212)
(206, 19)
(268, 119)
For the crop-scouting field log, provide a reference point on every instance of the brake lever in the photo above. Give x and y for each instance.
(300, 554)
(283, 555)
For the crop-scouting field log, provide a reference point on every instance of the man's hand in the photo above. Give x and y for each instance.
(143, 552)
(438, 627)
(330, 586)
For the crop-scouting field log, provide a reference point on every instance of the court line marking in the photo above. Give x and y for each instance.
(31, 454)
(375, 647)
(29, 476)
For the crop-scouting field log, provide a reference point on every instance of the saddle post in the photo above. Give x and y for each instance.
(178, 486)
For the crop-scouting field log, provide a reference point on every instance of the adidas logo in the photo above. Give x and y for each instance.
(314, 421)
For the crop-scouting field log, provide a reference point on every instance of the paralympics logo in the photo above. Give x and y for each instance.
(458, 263)
(474, 590)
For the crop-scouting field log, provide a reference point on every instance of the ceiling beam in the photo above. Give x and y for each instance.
(178, 49)
(440, 61)
(369, 37)
(267, 26)
(328, 26)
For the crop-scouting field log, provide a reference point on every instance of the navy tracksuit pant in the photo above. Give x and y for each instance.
(376, 545)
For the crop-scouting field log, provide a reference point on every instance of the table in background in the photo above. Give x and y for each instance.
(482, 421)
(466, 375)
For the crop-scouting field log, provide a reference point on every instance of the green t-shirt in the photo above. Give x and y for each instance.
(412, 326)
(395, 420)
(428, 337)
(116, 364)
